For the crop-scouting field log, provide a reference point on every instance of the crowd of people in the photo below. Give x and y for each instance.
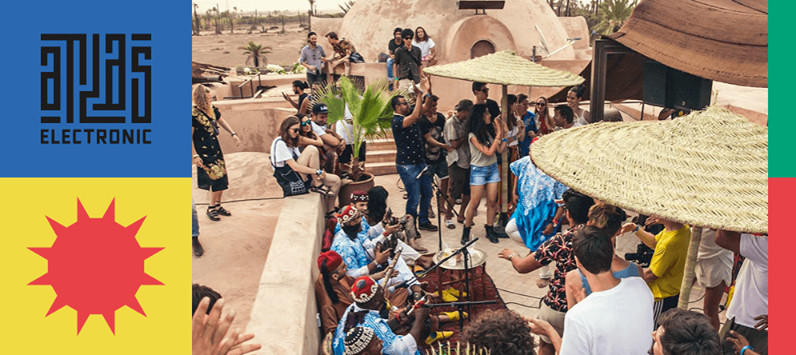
(370, 300)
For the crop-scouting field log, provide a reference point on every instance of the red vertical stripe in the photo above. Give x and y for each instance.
(782, 254)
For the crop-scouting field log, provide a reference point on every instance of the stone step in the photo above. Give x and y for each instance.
(380, 156)
(381, 144)
(383, 168)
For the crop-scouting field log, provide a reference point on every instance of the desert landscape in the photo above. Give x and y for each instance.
(224, 49)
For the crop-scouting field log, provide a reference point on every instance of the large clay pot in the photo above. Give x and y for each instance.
(344, 197)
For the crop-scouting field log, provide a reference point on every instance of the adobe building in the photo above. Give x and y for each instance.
(460, 35)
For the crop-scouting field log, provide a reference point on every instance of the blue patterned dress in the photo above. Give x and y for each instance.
(392, 344)
(363, 234)
(536, 206)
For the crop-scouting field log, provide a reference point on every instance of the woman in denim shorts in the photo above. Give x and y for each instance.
(486, 139)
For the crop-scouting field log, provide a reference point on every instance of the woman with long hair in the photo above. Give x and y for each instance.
(306, 135)
(486, 140)
(574, 97)
(426, 45)
(285, 154)
(543, 119)
(211, 172)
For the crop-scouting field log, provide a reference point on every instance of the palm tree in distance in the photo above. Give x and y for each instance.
(613, 14)
(255, 53)
(196, 19)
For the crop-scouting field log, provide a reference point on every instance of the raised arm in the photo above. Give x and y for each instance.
(415, 115)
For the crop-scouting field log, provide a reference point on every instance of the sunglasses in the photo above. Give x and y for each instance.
(484, 90)
(540, 104)
(407, 37)
(295, 130)
(304, 123)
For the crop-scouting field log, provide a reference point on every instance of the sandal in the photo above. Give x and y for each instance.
(321, 189)
(222, 211)
(213, 214)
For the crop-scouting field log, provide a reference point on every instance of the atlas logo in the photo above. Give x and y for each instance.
(96, 89)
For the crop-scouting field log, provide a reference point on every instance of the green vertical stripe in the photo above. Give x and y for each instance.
(782, 115)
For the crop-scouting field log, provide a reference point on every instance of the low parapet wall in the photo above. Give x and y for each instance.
(283, 317)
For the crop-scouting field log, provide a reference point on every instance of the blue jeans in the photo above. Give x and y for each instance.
(390, 77)
(194, 221)
(416, 189)
(390, 63)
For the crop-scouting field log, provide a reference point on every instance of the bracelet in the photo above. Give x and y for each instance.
(636, 230)
(504, 139)
(745, 348)
(555, 222)
(233, 134)
(512, 256)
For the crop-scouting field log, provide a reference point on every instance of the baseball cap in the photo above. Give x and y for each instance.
(320, 108)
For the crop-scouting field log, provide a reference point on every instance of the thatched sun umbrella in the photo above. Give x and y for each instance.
(505, 68)
(708, 169)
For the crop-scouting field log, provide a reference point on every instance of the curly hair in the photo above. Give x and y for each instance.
(500, 332)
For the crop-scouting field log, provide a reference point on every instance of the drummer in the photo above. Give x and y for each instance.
(364, 261)
(378, 233)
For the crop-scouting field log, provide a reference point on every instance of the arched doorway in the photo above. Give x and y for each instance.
(481, 48)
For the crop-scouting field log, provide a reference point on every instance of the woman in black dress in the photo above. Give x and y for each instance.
(211, 171)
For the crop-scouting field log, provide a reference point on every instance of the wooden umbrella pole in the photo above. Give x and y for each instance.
(690, 265)
(504, 188)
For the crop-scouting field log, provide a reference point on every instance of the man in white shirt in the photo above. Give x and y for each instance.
(616, 318)
(749, 305)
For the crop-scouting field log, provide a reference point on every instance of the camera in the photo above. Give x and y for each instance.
(642, 256)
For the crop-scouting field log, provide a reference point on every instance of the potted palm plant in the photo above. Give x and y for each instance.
(371, 117)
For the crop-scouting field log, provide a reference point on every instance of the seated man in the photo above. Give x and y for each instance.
(369, 300)
(617, 316)
(361, 261)
(333, 290)
(685, 333)
(344, 54)
(378, 233)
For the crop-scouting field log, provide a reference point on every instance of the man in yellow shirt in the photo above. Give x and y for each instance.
(665, 273)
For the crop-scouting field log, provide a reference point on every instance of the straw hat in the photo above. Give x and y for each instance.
(708, 169)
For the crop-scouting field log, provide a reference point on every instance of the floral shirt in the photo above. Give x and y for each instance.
(558, 249)
(344, 48)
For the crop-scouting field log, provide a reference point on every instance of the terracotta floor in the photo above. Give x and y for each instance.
(518, 291)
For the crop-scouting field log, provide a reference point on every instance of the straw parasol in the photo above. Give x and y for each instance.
(505, 68)
(707, 169)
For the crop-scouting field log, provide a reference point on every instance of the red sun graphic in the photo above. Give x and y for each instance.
(95, 266)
